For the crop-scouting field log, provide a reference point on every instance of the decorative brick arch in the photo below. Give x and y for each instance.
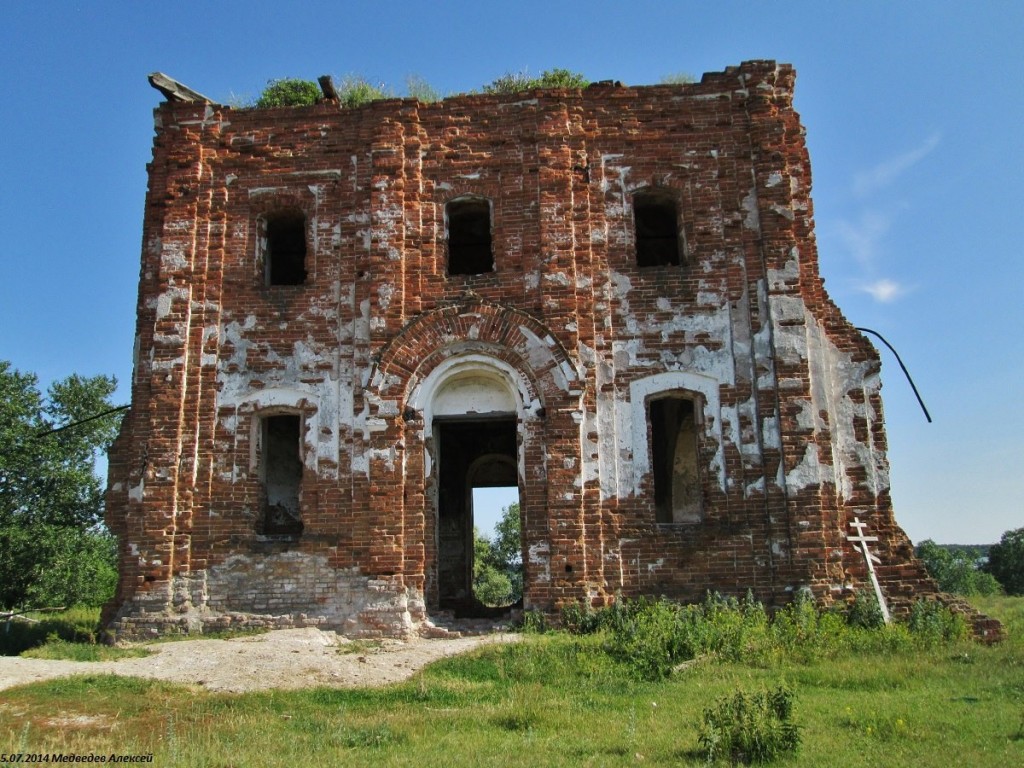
(507, 335)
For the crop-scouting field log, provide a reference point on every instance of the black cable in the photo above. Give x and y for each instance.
(905, 371)
(83, 421)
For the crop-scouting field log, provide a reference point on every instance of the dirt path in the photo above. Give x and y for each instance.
(287, 658)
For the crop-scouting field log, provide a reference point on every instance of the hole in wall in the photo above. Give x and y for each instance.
(285, 255)
(656, 219)
(281, 473)
(469, 236)
(474, 454)
(677, 490)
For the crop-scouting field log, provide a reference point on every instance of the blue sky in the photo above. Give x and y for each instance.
(914, 122)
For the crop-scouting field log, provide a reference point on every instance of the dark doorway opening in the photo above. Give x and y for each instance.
(285, 256)
(469, 236)
(281, 473)
(675, 461)
(657, 229)
(472, 453)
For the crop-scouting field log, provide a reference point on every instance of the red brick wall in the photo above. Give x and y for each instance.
(792, 441)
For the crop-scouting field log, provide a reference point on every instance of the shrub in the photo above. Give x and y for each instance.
(678, 78)
(932, 623)
(650, 639)
(355, 91)
(549, 78)
(750, 728)
(580, 618)
(534, 622)
(864, 611)
(289, 92)
(421, 90)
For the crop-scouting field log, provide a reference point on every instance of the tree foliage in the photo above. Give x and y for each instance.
(549, 78)
(1006, 561)
(956, 570)
(498, 563)
(289, 92)
(53, 548)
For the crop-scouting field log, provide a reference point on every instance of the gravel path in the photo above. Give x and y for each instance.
(287, 658)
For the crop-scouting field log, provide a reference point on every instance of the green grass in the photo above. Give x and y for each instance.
(72, 634)
(75, 635)
(55, 648)
(553, 699)
(75, 625)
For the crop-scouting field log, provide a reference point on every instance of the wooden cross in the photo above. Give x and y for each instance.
(869, 558)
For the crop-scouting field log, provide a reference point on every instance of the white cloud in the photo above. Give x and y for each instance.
(862, 237)
(886, 172)
(884, 290)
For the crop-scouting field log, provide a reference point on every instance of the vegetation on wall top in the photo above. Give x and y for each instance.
(356, 90)
(549, 78)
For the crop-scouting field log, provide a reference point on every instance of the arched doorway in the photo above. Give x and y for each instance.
(473, 412)
(472, 453)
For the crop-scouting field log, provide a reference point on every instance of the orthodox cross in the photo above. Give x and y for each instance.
(860, 539)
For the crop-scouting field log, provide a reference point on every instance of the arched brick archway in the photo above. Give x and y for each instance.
(471, 381)
(509, 334)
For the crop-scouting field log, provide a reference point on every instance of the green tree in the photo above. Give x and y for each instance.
(498, 563)
(1006, 561)
(53, 547)
(490, 585)
(549, 78)
(956, 571)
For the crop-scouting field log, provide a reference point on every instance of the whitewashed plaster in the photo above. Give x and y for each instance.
(640, 390)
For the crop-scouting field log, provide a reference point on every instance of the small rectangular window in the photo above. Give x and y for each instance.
(285, 248)
(677, 489)
(281, 472)
(656, 221)
(469, 236)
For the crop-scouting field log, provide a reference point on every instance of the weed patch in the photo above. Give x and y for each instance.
(750, 727)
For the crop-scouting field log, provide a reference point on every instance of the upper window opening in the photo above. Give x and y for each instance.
(469, 236)
(281, 472)
(656, 220)
(285, 248)
(677, 488)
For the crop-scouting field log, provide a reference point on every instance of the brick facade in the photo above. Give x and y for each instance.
(549, 356)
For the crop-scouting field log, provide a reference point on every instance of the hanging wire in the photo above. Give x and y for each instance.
(905, 371)
(83, 421)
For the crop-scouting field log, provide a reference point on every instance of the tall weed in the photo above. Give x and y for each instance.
(653, 637)
(750, 728)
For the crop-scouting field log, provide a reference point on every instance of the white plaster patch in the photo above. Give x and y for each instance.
(807, 473)
(642, 389)
(135, 492)
(753, 218)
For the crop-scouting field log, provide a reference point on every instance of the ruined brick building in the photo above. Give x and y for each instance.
(609, 298)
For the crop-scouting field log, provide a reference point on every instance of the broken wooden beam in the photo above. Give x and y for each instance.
(175, 91)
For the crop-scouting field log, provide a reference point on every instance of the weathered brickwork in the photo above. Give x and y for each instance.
(548, 349)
